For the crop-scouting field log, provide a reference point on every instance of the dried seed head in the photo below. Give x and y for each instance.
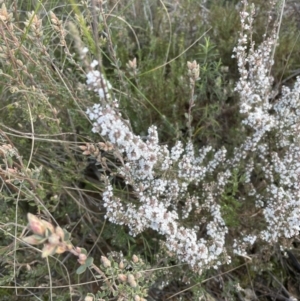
(33, 239)
(48, 250)
(135, 259)
(60, 232)
(131, 280)
(19, 63)
(78, 250)
(131, 64)
(34, 24)
(122, 277)
(193, 70)
(82, 258)
(121, 265)
(138, 275)
(36, 225)
(49, 226)
(54, 239)
(61, 249)
(54, 19)
(106, 263)
(137, 298)
(4, 15)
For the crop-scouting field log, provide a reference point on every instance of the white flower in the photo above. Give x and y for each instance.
(94, 64)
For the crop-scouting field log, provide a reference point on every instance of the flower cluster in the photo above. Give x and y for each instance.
(272, 147)
(54, 239)
(97, 82)
(161, 177)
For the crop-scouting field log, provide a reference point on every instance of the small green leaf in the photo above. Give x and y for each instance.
(89, 261)
(67, 235)
(48, 232)
(115, 265)
(81, 269)
(83, 251)
(115, 293)
(34, 239)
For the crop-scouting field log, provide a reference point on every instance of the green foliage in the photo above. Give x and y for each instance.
(83, 267)
(230, 205)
